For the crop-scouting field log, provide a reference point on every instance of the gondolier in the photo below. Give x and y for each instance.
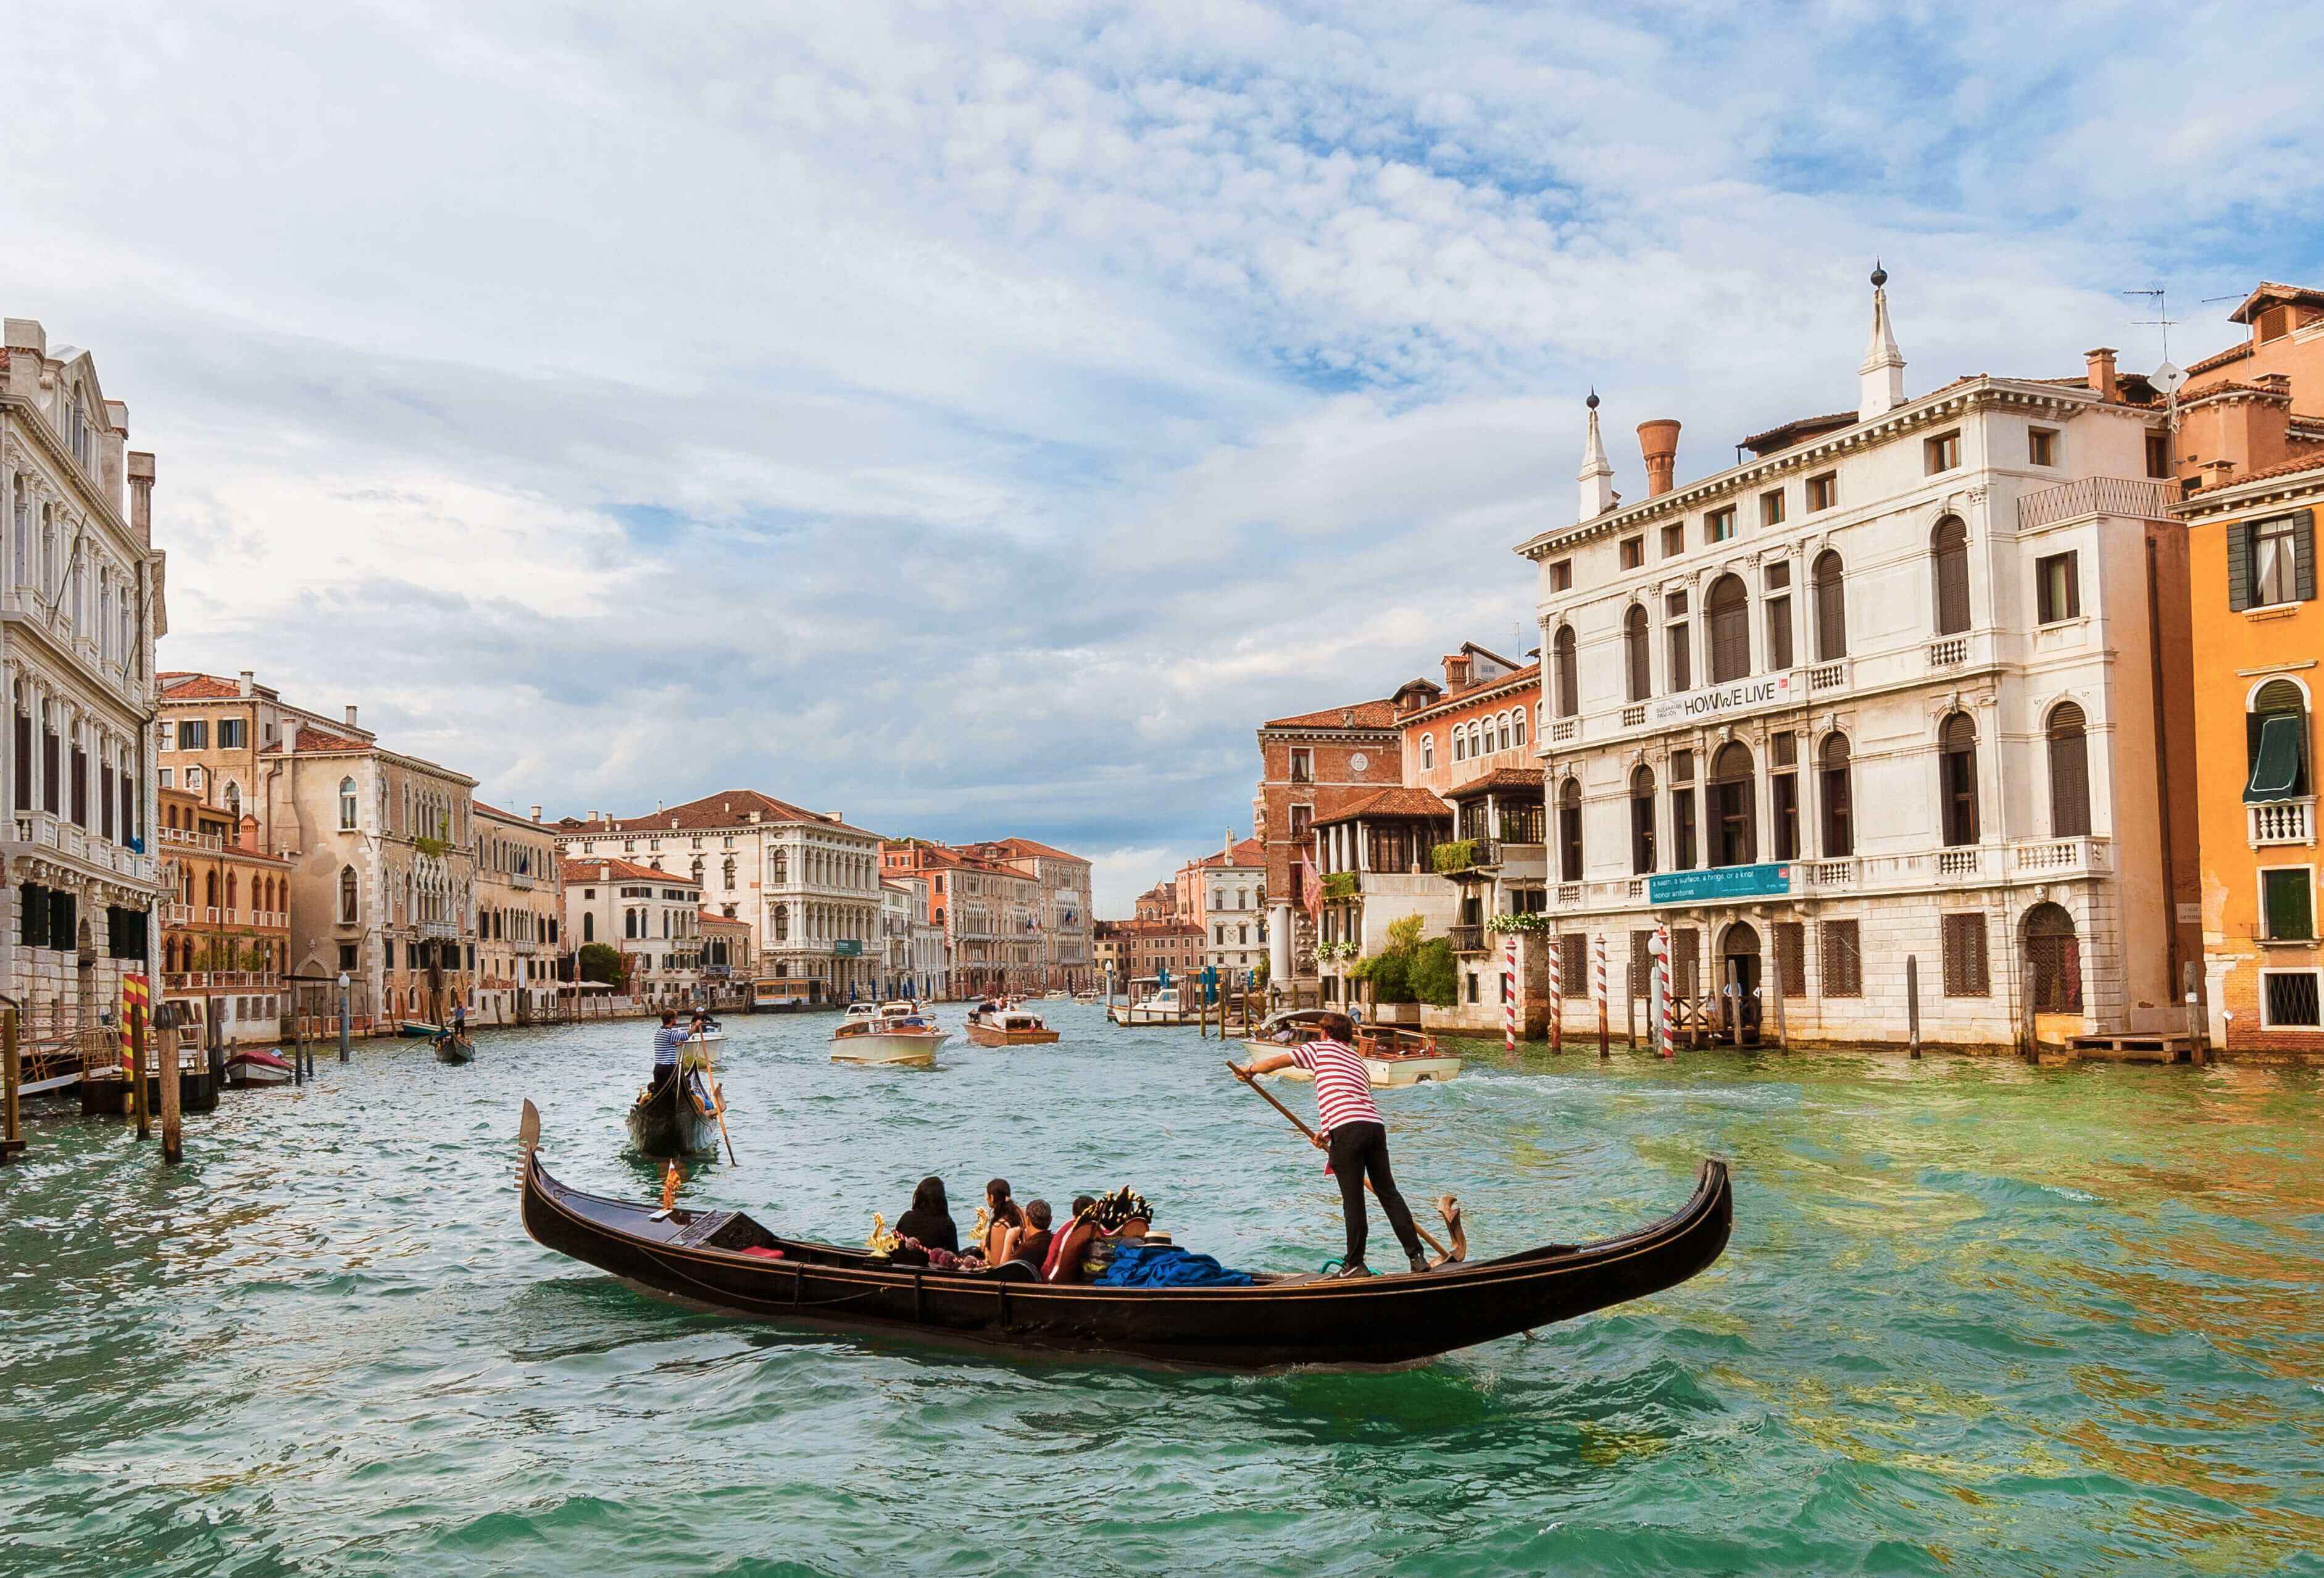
(1352, 1134)
(667, 1042)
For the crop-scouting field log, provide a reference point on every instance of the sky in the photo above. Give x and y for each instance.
(976, 419)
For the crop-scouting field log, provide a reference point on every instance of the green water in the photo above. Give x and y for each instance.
(1975, 1318)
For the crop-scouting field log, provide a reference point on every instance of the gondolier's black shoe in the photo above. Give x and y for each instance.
(1420, 1262)
(1353, 1269)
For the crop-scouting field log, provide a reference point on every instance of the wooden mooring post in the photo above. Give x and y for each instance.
(12, 1081)
(173, 1134)
(1912, 1002)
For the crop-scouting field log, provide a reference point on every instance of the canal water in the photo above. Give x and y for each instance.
(1976, 1318)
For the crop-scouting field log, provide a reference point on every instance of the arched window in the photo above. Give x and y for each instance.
(346, 804)
(209, 889)
(1838, 811)
(1957, 778)
(2070, 773)
(233, 892)
(1520, 716)
(1460, 744)
(1637, 662)
(782, 864)
(1507, 737)
(1642, 821)
(1949, 557)
(1428, 752)
(234, 805)
(1568, 683)
(349, 911)
(1830, 608)
(782, 917)
(2053, 960)
(194, 779)
(1569, 831)
(1734, 811)
(2275, 744)
(1728, 612)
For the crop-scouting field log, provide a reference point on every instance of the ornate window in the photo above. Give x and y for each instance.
(2070, 773)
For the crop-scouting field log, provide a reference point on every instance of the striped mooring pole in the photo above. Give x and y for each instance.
(1510, 993)
(1556, 997)
(1669, 1004)
(1599, 963)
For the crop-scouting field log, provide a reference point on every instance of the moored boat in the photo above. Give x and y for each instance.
(1394, 1056)
(1161, 1006)
(725, 1261)
(1012, 1027)
(257, 1066)
(417, 1029)
(897, 1034)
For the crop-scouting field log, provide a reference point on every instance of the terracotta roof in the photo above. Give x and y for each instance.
(711, 918)
(311, 738)
(1026, 849)
(1784, 434)
(1363, 715)
(610, 868)
(1391, 802)
(2221, 358)
(178, 686)
(1500, 778)
(2308, 462)
(2268, 293)
(2229, 386)
(1246, 852)
(476, 804)
(1515, 677)
(726, 808)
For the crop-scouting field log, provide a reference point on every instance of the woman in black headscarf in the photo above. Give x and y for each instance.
(930, 1218)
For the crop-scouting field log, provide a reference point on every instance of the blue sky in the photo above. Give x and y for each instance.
(974, 419)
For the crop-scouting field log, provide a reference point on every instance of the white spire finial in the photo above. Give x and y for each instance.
(1597, 475)
(1882, 375)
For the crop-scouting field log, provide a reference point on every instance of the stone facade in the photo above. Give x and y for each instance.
(226, 933)
(1312, 765)
(653, 917)
(520, 916)
(80, 608)
(1892, 688)
(1062, 920)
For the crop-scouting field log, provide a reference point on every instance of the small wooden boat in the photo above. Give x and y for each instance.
(257, 1066)
(1009, 1027)
(680, 1119)
(452, 1048)
(1394, 1056)
(725, 1261)
(418, 1030)
(897, 1034)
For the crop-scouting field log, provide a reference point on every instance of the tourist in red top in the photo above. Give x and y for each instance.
(1353, 1135)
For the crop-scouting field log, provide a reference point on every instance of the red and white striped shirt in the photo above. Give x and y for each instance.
(1343, 1086)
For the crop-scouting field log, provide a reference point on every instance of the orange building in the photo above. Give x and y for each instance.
(1312, 766)
(2250, 457)
(226, 932)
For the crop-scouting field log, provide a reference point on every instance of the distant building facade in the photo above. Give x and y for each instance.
(520, 915)
(652, 917)
(225, 936)
(1312, 765)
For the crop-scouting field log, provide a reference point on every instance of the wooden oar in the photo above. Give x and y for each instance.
(1252, 1081)
(718, 1094)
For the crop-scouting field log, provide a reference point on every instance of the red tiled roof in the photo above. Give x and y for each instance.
(711, 918)
(1515, 678)
(1391, 802)
(2308, 462)
(1246, 852)
(1500, 778)
(180, 686)
(609, 868)
(1028, 848)
(726, 808)
(1363, 715)
(311, 738)
(2269, 294)
(1783, 434)
(2221, 358)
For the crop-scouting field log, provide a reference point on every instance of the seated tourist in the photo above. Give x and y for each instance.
(1071, 1243)
(1030, 1246)
(929, 1220)
(1004, 1223)
(1121, 1217)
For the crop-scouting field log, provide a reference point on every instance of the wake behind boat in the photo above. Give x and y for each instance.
(725, 1261)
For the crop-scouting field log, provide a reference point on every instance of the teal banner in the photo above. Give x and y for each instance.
(1766, 881)
(848, 947)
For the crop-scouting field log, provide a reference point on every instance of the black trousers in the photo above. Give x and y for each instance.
(1361, 1148)
(662, 1075)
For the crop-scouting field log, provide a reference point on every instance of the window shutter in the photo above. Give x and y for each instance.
(2303, 538)
(2239, 565)
(2070, 774)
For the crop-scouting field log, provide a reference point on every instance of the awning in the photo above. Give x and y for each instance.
(2276, 765)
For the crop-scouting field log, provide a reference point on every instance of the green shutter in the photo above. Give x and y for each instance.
(2288, 916)
(2239, 565)
(2275, 766)
(2303, 538)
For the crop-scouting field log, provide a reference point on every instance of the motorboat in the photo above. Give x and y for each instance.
(993, 1026)
(894, 1033)
(1394, 1056)
(1160, 1006)
(1087, 997)
(257, 1066)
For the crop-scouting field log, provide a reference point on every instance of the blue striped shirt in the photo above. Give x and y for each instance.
(667, 1040)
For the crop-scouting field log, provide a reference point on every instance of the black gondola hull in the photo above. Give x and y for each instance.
(695, 1258)
(674, 1120)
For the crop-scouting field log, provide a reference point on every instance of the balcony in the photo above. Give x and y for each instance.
(1470, 939)
(2283, 822)
(2139, 498)
(1949, 652)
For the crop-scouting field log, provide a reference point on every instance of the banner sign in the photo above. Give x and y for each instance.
(1770, 879)
(1724, 700)
(848, 947)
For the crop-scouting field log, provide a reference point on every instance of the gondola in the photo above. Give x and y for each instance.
(680, 1119)
(723, 1260)
(455, 1049)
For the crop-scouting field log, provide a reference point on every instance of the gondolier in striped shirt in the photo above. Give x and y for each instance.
(1352, 1134)
(668, 1041)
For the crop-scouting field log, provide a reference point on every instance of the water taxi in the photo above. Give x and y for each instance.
(1161, 1006)
(1008, 1026)
(899, 1033)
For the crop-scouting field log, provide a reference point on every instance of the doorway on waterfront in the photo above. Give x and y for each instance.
(1738, 981)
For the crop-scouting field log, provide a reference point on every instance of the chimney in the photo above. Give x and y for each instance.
(1597, 475)
(245, 682)
(2102, 373)
(1658, 441)
(1880, 376)
(536, 813)
(141, 496)
(289, 736)
(351, 716)
(1456, 671)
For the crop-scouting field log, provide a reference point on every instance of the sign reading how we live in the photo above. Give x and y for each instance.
(1722, 700)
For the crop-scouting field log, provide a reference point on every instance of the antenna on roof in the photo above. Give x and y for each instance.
(2161, 318)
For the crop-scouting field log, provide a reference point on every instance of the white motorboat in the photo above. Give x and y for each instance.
(1159, 1006)
(257, 1066)
(1393, 1057)
(896, 1034)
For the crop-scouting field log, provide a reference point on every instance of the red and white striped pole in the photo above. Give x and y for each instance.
(1658, 1012)
(1599, 981)
(1556, 993)
(1510, 993)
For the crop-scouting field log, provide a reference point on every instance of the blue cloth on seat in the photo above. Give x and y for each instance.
(1145, 1265)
